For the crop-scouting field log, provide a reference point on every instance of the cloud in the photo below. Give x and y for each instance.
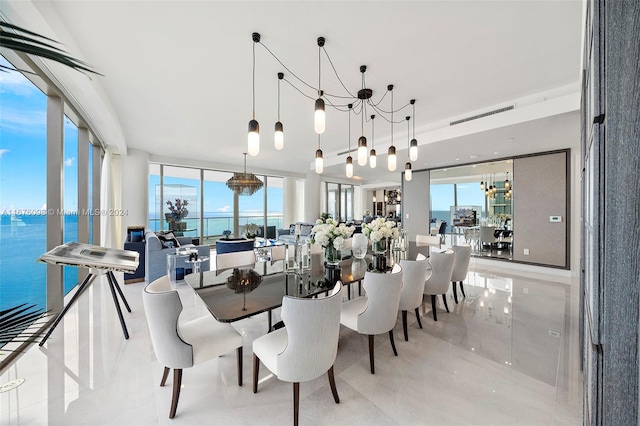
(69, 162)
(224, 209)
(3, 151)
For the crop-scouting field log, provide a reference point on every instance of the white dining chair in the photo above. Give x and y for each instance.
(438, 283)
(375, 313)
(235, 259)
(414, 274)
(178, 346)
(306, 347)
(487, 237)
(460, 268)
(279, 252)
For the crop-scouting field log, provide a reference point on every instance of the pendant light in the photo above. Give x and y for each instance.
(391, 159)
(349, 166)
(253, 139)
(407, 167)
(372, 153)
(319, 161)
(482, 184)
(413, 149)
(507, 184)
(278, 136)
(362, 141)
(319, 117)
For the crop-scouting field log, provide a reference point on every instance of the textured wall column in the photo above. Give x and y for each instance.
(312, 197)
(290, 201)
(55, 188)
(135, 188)
(416, 204)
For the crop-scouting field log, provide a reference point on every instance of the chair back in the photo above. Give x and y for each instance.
(232, 246)
(428, 240)
(313, 328)
(162, 307)
(414, 274)
(441, 269)
(487, 234)
(383, 299)
(461, 262)
(279, 252)
(235, 259)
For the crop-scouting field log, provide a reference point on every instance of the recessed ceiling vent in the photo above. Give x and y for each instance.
(484, 114)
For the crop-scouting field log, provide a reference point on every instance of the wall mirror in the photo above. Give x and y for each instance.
(474, 204)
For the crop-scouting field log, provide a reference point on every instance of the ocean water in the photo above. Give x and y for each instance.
(22, 241)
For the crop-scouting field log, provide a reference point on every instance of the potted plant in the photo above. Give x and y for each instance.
(178, 211)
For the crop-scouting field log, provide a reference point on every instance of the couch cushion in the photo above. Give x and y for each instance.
(305, 228)
(168, 240)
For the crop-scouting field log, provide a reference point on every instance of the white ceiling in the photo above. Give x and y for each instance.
(178, 74)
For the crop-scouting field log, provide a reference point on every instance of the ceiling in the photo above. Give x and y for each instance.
(177, 75)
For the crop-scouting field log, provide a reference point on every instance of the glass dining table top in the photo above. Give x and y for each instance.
(241, 292)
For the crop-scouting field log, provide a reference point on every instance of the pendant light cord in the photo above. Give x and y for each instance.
(319, 71)
(253, 81)
(372, 133)
(278, 99)
(391, 117)
(349, 128)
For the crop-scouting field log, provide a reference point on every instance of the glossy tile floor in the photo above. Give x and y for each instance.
(507, 354)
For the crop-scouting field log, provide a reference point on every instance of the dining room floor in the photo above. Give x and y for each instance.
(507, 354)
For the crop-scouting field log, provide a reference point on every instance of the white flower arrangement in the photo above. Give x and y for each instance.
(250, 230)
(329, 232)
(379, 229)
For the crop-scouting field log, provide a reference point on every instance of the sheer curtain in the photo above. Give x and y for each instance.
(111, 233)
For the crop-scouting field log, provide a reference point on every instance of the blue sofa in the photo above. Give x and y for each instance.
(156, 256)
(233, 245)
(288, 234)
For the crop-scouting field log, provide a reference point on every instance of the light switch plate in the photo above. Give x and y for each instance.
(555, 219)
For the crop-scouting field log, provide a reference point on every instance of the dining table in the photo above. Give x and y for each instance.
(244, 291)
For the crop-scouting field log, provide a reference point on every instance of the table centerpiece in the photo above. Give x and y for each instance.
(329, 234)
(380, 231)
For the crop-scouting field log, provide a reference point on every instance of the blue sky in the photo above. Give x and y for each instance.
(23, 112)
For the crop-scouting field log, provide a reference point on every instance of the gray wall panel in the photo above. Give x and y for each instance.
(540, 191)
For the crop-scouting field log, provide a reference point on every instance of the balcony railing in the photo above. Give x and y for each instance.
(214, 226)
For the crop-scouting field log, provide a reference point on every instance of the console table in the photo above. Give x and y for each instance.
(99, 260)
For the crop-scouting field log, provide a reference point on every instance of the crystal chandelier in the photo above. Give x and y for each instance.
(244, 183)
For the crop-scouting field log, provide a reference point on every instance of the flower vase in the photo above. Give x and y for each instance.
(359, 246)
(331, 255)
(379, 247)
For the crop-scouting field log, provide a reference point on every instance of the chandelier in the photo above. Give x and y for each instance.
(358, 102)
(244, 183)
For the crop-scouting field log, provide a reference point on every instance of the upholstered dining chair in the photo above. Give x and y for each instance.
(279, 252)
(375, 313)
(306, 347)
(235, 259)
(414, 274)
(427, 241)
(178, 346)
(460, 268)
(438, 283)
(488, 237)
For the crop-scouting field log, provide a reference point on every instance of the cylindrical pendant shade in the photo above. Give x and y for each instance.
(319, 116)
(362, 151)
(278, 136)
(319, 161)
(253, 140)
(413, 150)
(349, 168)
(373, 162)
(408, 175)
(391, 159)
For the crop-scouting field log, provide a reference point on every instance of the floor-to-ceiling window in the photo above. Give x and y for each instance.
(275, 205)
(181, 185)
(339, 201)
(23, 164)
(155, 201)
(442, 198)
(218, 205)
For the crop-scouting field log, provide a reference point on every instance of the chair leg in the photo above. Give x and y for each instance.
(239, 356)
(455, 293)
(393, 343)
(433, 307)
(164, 376)
(296, 402)
(418, 317)
(177, 383)
(462, 290)
(371, 361)
(404, 325)
(332, 383)
(256, 369)
(444, 299)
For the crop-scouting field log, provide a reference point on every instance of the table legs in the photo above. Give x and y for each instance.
(113, 286)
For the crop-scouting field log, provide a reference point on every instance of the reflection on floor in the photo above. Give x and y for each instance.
(499, 252)
(506, 354)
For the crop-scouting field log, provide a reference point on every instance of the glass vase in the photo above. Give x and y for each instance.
(359, 246)
(331, 255)
(379, 247)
